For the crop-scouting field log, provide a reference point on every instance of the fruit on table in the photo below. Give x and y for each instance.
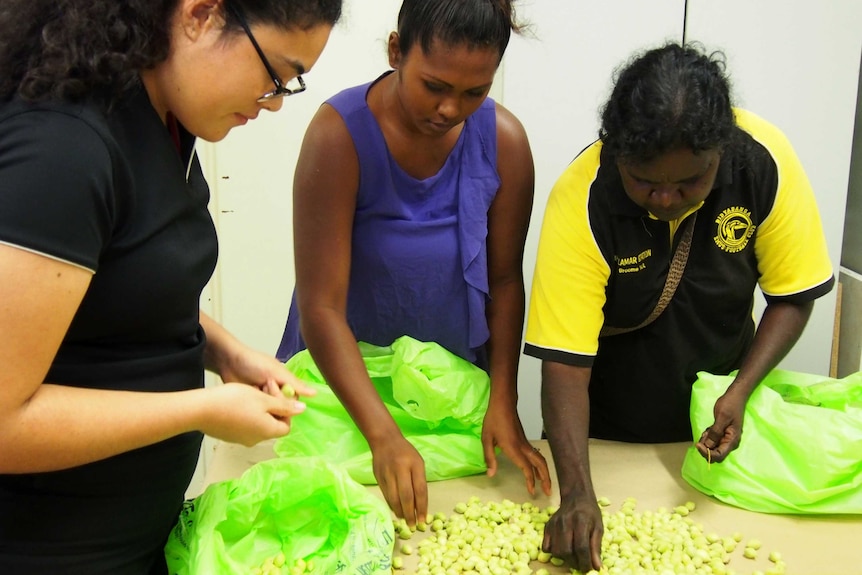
(505, 538)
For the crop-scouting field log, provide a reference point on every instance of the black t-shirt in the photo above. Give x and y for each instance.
(108, 192)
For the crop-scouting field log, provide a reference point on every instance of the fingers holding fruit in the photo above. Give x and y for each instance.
(293, 388)
(265, 373)
(240, 413)
(723, 436)
(715, 444)
(288, 391)
(289, 387)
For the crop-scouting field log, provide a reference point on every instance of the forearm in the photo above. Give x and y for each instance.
(505, 313)
(61, 426)
(566, 417)
(777, 332)
(221, 348)
(334, 349)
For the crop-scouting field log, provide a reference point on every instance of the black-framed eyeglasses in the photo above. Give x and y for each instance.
(280, 89)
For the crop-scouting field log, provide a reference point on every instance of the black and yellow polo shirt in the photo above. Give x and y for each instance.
(603, 260)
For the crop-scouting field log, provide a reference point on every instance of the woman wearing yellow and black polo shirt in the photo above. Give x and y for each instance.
(679, 179)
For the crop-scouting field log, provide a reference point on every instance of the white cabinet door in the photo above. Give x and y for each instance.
(555, 80)
(796, 63)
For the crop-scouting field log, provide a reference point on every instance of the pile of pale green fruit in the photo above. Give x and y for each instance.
(505, 538)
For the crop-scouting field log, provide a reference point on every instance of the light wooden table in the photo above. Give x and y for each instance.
(821, 545)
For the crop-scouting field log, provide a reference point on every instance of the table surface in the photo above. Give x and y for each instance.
(810, 545)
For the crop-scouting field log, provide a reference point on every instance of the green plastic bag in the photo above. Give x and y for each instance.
(302, 507)
(437, 399)
(801, 448)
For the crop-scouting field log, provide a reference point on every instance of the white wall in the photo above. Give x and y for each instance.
(791, 69)
(796, 63)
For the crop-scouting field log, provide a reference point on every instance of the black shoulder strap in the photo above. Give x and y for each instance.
(674, 274)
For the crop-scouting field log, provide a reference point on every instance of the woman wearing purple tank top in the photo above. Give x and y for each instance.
(412, 197)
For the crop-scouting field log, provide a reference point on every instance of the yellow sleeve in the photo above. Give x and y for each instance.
(790, 246)
(568, 291)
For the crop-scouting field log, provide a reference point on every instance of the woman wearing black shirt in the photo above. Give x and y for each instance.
(105, 245)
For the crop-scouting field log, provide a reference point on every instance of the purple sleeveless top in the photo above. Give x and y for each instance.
(419, 261)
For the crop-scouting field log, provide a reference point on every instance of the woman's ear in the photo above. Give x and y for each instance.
(394, 50)
(198, 16)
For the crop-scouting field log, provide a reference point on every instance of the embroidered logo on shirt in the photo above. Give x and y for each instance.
(632, 263)
(733, 230)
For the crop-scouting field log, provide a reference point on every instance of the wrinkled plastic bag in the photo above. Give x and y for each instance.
(801, 448)
(303, 507)
(437, 399)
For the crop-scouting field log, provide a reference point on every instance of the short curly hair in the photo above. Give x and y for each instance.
(76, 49)
(669, 97)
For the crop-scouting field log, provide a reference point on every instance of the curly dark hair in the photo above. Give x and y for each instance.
(76, 49)
(669, 97)
(477, 23)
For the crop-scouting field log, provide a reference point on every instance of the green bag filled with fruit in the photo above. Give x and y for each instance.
(287, 516)
(437, 399)
(801, 448)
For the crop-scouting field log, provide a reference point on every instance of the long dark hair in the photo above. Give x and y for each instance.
(75, 49)
(476, 23)
(669, 97)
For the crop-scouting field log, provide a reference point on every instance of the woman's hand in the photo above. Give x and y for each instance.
(780, 326)
(574, 533)
(723, 436)
(264, 372)
(259, 396)
(400, 472)
(244, 414)
(236, 362)
(502, 428)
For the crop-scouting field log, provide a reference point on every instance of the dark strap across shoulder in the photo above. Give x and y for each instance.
(674, 274)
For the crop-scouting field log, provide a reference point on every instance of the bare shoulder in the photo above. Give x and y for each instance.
(510, 131)
(327, 159)
(513, 145)
(327, 130)
(512, 204)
